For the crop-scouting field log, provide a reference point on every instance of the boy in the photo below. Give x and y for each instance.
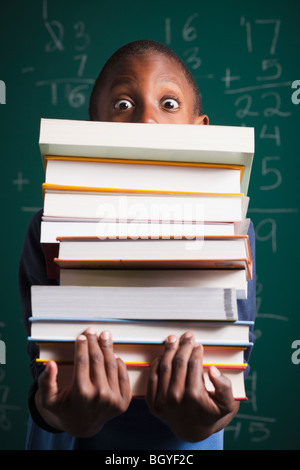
(143, 82)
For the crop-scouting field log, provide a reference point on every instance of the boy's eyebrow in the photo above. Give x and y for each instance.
(169, 78)
(123, 79)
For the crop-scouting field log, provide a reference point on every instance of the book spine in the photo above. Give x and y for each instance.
(228, 304)
(99, 189)
(139, 365)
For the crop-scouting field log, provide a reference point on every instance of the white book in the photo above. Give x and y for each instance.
(216, 333)
(138, 378)
(63, 351)
(54, 228)
(138, 175)
(160, 303)
(167, 142)
(227, 252)
(220, 278)
(234, 247)
(138, 207)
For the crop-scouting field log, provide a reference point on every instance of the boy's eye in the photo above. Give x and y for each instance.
(123, 104)
(170, 103)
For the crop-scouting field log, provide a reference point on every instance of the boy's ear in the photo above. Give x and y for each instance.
(201, 120)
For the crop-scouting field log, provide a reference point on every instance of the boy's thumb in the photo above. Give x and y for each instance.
(223, 389)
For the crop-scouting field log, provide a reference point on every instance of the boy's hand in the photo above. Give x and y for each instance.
(177, 394)
(99, 391)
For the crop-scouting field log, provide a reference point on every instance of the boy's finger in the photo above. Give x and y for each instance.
(180, 365)
(124, 383)
(81, 373)
(48, 387)
(152, 383)
(194, 378)
(110, 362)
(97, 372)
(164, 370)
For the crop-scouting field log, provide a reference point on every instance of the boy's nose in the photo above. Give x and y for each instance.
(147, 115)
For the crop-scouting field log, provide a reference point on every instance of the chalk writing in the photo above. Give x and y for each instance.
(20, 181)
(75, 89)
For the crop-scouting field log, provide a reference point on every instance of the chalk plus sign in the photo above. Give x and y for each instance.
(228, 78)
(20, 181)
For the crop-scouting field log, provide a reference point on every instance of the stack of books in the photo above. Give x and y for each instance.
(145, 227)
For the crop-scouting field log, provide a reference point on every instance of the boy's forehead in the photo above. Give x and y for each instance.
(166, 67)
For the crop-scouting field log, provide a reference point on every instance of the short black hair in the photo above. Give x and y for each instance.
(140, 47)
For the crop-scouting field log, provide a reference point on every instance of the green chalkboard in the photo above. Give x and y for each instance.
(245, 57)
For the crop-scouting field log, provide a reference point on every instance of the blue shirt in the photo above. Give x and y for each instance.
(137, 428)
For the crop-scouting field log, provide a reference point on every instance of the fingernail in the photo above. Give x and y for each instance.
(215, 372)
(172, 339)
(91, 331)
(188, 334)
(81, 338)
(105, 335)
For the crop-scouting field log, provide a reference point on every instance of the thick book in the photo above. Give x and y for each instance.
(143, 175)
(54, 228)
(124, 206)
(135, 353)
(141, 331)
(180, 142)
(160, 303)
(138, 377)
(221, 278)
(228, 252)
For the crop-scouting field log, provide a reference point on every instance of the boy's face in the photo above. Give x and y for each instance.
(148, 89)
